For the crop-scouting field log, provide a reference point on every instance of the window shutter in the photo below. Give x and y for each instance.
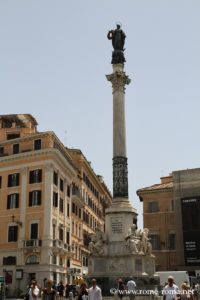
(8, 202)
(40, 175)
(15, 233)
(17, 200)
(17, 179)
(31, 177)
(30, 198)
(39, 197)
(56, 200)
(9, 180)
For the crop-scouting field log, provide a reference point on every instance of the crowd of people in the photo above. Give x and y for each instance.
(185, 292)
(54, 291)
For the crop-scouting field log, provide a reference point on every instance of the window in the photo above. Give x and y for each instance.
(13, 179)
(79, 231)
(54, 231)
(155, 241)
(55, 178)
(72, 227)
(172, 241)
(37, 144)
(35, 198)
(13, 201)
(15, 148)
(11, 136)
(55, 276)
(68, 263)
(79, 214)
(32, 259)
(9, 260)
(68, 209)
(1, 150)
(60, 234)
(73, 207)
(55, 199)
(60, 261)
(34, 231)
(0, 181)
(61, 185)
(86, 262)
(172, 205)
(12, 233)
(35, 176)
(153, 207)
(68, 191)
(61, 206)
(67, 237)
(54, 259)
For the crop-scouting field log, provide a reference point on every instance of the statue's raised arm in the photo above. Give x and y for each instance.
(118, 40)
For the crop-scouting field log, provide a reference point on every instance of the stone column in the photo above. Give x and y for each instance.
(120, 169)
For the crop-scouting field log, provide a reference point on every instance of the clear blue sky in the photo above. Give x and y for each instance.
(53, 59)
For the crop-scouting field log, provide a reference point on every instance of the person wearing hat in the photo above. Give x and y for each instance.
(171, 290)
(94, 293)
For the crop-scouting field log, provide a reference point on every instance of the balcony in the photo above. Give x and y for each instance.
(76, 194)
(33, 245)
(61, 248)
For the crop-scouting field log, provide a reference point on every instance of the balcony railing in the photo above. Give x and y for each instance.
(32, 243)
(60, 245)
(77, 193)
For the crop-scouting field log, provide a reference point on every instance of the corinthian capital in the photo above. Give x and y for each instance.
(118, 79)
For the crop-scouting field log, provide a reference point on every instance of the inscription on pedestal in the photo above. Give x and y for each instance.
(116, 225)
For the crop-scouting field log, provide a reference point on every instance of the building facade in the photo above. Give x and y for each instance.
(41, 207)
(171, 211)
(90, 198)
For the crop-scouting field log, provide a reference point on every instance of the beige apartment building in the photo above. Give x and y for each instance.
(90, 198)
(159, 217)
(171, 211)
(42, 205)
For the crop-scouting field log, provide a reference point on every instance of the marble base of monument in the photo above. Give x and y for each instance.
(122, 251)
(107, 269)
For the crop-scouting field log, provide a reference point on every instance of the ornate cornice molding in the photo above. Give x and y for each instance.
(37, 154)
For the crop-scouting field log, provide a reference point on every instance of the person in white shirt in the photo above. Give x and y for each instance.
(171, 290)
(94, 293)
(131, 285)
(34, 290)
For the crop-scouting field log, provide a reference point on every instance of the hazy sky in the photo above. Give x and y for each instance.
(54, 56)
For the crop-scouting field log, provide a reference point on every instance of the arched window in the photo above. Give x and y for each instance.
(32, 259)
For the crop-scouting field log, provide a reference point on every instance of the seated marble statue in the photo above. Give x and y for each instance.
(137, 241)
(133, 240)
(98, 239)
